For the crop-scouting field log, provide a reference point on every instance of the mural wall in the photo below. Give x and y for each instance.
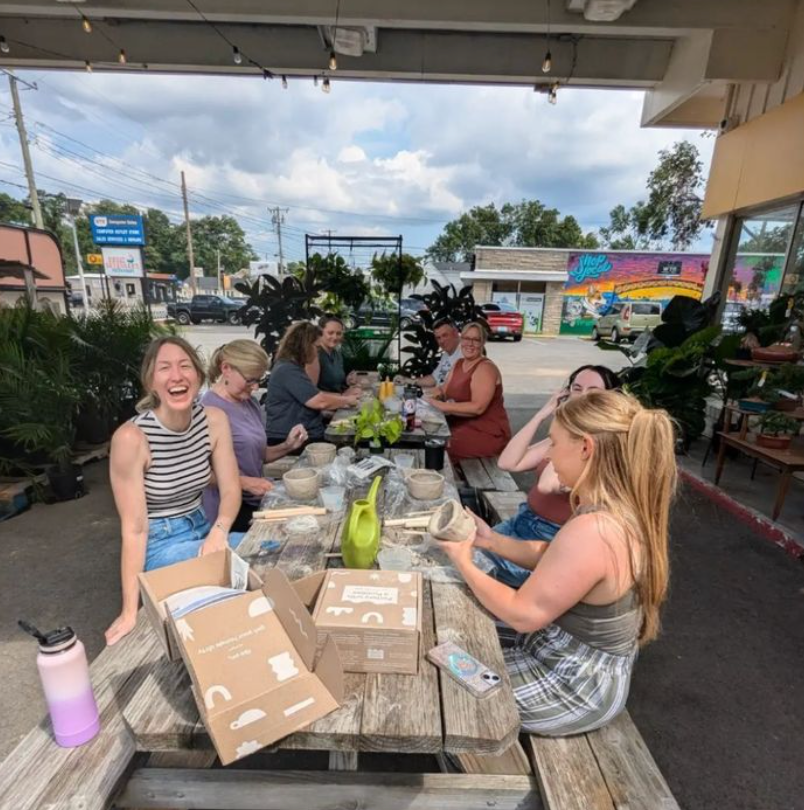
(756, 279)
(595, 281)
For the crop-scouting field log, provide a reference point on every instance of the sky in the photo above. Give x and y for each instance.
(365, 159)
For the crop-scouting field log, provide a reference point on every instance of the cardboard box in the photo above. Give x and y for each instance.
(375, 617)
(251, 661)
(222, 568)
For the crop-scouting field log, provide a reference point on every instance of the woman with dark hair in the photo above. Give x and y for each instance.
(160, 463)
(327, 371)
(547, 508)
(292, 397)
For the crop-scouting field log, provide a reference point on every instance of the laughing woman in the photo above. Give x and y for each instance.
(160, 463)
(572, 631)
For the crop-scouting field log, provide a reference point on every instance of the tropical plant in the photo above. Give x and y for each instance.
(775, 423)
(365, 354)
(393, 273)
(344, 289)
(272, 305)
(373, 425)
(443, 302)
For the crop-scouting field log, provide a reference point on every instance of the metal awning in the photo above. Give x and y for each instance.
(512, 275)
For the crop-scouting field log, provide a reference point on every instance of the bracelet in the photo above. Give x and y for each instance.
(219, 525)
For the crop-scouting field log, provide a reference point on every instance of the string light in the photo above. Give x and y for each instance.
(553, 95)
(333, 61)
(86, 24)
(266, 74)
(284, 82)
(236, 55)
(4, 46)
(121, 57)
(325, 86)
(315, 81)
(88, 66)
(547, 64)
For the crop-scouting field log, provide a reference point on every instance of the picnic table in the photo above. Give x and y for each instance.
(338, 433)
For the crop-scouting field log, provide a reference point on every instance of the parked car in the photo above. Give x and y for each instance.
(205, 308)
(383, 314)
(504, 321)
(626, 320)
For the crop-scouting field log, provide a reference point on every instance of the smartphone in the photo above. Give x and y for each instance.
(465, 669)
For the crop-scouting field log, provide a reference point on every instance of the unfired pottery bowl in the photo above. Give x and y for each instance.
(321, 453)
(425, 485)
(301, 485)
(451, 522)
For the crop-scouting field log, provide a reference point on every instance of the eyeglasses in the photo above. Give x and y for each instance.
(476, 341)
(248, 380)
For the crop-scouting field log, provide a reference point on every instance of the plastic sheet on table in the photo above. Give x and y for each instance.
(399, 502)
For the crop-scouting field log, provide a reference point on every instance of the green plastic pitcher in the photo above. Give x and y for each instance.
(360, 540)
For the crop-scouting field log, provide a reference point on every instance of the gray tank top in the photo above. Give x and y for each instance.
(613, 628)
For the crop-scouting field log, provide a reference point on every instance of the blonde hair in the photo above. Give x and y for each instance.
(247, 356)
(298, 343)
(480, 328)
(631, 475)
(150, 400)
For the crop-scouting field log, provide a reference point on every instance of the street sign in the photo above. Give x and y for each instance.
(117, 229)
(94, 258)
(122, 262)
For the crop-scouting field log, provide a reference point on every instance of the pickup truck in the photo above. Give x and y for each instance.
(205, 308)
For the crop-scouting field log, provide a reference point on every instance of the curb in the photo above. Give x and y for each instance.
(762, 525)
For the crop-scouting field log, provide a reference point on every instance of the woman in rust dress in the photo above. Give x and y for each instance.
(472, 399)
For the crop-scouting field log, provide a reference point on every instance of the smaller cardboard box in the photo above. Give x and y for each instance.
(223, 568)
(252, 664)
(375, 617)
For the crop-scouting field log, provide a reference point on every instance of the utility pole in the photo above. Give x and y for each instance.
(73, 208)
(189, 234)
(220, 285)
(30, 285)
(278, 218)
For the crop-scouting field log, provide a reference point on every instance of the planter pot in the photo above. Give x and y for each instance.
(785, 405)
(425, 485)
(774, 442)
(774, 354)
(376, 449)
(66, 483)
(301, 485)
(450, 522)
(753, 405)
(321, 453)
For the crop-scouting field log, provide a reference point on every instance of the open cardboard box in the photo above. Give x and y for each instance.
(375, 617)
(222, 568)
(252, 664)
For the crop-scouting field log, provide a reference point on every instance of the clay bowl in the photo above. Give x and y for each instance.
(321, 453)
(425, 485)
(451, 522)
(301, 485)
(774, 354)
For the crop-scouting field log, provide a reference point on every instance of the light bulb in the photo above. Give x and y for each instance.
(238, 59)
(284, 82)
(121, 58)
(4, 46)
(553, 95)
(547, 64)
(333, 61)
(266, 74)
(325, 86)
(315, 81)
(86, 25)
(88, 66)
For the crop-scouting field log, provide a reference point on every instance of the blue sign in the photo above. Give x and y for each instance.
(117, 229)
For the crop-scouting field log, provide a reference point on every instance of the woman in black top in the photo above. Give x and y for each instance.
(292, 396)
(327, 370)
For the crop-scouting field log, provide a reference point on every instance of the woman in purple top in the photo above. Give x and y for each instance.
(235, 371)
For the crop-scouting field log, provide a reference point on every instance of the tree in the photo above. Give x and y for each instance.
(385, 270)
(211, 234)
(14, 212)
(673, 208)
(525, 224)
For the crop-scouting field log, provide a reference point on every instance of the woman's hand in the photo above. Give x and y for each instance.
(352, 400)
(351, 378)
(484, 536)
(217, 540)
(255, 486)
(554, 401)
(295, 439)
(120, 627)
(353, 391)
(437, 404)
(459, 553)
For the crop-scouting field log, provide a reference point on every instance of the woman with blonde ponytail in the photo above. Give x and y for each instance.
(572, 631)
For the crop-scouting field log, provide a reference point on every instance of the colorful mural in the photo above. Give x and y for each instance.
(597, 280)
(756, 279)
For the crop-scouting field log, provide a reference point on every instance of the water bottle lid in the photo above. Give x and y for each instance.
(54, 641)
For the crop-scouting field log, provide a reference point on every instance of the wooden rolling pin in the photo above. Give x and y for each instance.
(289, 512)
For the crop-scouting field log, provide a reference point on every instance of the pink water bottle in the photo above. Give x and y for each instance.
(64, 672)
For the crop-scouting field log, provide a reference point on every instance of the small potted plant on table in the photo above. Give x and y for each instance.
(776, 431)
(372, 425)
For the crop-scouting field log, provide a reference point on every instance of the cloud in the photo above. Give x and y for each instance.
(368, 158)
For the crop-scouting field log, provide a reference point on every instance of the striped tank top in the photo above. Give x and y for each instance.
(180, 465)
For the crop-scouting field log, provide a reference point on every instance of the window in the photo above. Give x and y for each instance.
(795, 262)
(647, 309)
(130, 292)
(756, 264)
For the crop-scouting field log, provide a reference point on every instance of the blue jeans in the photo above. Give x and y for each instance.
(525, 525)
(173, 539)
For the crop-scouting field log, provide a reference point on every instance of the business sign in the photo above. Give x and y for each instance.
(94, 258)
(669, 268)
(117, 229)
(122, 262)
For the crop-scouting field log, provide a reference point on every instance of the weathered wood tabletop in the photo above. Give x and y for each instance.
(337, 434)
(424, 713)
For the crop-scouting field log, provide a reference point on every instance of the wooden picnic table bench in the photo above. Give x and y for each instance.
(484, 474)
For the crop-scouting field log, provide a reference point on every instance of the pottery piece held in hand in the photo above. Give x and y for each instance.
(451, 522)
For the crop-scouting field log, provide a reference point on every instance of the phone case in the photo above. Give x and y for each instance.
(464, 668)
